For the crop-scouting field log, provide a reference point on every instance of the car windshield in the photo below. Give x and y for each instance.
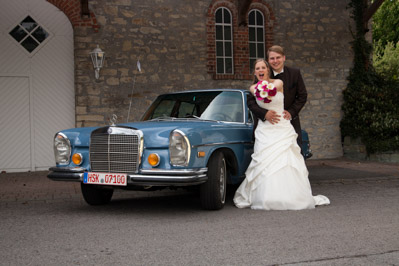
(208, 105)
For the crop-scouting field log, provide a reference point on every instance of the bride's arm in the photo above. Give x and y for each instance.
(258, 111)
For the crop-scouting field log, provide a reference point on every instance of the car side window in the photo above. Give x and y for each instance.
(250, 114)
(250, 117)
(226, 106)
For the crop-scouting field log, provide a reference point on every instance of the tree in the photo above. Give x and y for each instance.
(386, 60)
(371, 111)
(386, 23)
(385, 39)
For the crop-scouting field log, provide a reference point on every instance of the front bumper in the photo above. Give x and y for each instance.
(151, 177)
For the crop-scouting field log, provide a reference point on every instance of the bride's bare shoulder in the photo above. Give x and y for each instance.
(279, 84)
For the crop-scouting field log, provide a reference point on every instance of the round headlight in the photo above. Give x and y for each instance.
(179, 148)
(62, 149)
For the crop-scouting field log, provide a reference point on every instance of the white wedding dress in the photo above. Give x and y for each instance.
(277, 177)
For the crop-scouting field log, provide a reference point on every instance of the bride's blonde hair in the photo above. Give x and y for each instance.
(257, 61)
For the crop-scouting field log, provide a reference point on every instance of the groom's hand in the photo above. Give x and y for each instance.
(287, 115)
(272, 117)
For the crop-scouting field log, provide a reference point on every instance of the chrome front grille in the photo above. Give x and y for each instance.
(114, 153)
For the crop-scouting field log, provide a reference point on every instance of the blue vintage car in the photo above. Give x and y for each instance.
(199, 138)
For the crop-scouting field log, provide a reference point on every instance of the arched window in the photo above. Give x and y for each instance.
(256, 29)
(224, 41)
(236, 36)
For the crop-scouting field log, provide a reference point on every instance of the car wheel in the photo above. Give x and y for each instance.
(96, 196)
(213, 191)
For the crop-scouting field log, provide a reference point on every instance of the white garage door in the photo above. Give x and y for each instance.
(15, 123)
(36, 83)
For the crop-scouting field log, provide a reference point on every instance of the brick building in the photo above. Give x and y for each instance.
(185, 45)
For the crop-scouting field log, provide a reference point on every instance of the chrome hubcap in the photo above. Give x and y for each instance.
(222, 180)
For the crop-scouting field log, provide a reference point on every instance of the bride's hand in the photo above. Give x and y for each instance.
(252, 89)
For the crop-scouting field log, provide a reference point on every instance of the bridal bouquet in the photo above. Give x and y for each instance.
(265, 90)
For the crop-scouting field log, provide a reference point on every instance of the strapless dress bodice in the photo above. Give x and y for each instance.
(277, 103)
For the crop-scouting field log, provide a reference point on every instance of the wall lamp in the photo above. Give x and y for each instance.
(97, 57)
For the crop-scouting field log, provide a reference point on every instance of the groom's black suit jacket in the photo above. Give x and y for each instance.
(295, 96)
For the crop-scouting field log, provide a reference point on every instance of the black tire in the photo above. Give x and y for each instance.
(213, 192)
(96, 196)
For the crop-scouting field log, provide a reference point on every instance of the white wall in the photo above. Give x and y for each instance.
(38, 97)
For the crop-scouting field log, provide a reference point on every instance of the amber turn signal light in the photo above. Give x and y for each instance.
(77, 158)
(153, 159)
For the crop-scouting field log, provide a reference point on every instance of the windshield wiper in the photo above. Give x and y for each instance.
(193, 116)
(166, 118)
(163, 118)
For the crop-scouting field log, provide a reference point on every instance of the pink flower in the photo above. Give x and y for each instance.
(264, 91)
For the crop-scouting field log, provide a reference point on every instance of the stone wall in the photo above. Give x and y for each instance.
(355, 149)
(316, 39)
(168, 37)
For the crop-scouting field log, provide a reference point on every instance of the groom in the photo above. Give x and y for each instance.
(295, 94)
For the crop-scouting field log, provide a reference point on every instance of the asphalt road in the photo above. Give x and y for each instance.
(47, 223)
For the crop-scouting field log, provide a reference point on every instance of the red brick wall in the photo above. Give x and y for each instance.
(72, 9)
(240, 37)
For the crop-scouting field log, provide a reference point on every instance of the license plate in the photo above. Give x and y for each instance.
(110, 179)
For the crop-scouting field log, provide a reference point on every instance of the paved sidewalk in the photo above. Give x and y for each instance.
(34, 187)
(346, 170)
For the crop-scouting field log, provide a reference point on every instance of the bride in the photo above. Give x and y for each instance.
(277, 177)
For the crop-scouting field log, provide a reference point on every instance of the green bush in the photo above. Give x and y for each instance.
(372, 113)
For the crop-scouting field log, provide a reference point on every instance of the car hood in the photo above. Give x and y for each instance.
(156, 133)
